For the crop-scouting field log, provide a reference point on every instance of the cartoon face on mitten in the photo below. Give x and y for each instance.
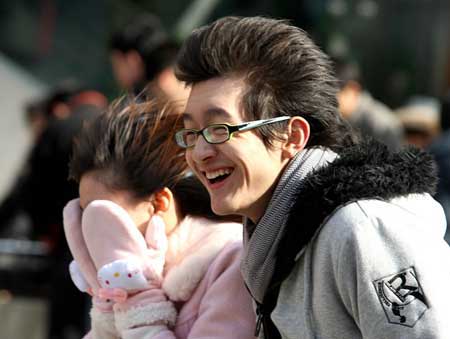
(123, 273)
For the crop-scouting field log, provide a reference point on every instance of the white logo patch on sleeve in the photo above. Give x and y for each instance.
(402, 297)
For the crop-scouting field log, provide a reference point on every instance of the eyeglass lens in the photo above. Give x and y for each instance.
(216, 133)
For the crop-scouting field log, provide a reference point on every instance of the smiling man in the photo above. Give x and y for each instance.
(237, 174)
(342, 239)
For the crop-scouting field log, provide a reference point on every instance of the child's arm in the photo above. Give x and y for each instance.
(84, 275)
(129, 269)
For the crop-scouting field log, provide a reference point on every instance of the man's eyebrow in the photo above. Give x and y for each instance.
(209, 114)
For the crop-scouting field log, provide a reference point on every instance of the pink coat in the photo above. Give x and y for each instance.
(220, 306)
(202, 284)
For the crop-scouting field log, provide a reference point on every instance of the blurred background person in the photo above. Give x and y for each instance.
(42, 190)
(420, 118)
(367, 115)
(38, 114)
(440, 148)
(49, 190)
(441, 151)
(445, 112)
(424, 127)
(142, 57)
(35, 117)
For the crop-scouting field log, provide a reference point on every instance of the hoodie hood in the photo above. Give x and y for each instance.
(364, 171)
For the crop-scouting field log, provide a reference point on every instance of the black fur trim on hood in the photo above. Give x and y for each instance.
(365, 171)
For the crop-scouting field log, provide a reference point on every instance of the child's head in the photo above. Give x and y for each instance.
(127, 155)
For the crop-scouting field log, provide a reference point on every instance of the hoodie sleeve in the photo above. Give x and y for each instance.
(391, 271)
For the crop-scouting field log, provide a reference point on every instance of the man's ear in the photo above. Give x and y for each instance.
(297, 137)
(162, 200)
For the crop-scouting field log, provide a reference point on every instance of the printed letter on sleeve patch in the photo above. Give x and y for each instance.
(402, 297)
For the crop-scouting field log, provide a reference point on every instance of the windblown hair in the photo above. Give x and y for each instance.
(130, 147)
(285, 74)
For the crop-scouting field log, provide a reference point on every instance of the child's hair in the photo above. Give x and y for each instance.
(130, 147)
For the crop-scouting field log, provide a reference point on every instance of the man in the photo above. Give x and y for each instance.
(341, 240)
(366, 114)
(142, 57)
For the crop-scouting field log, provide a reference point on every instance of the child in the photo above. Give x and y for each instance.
(146, 245)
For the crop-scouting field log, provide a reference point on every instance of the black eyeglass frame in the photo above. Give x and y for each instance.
(230, 128)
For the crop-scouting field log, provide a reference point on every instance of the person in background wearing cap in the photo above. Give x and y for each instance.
(420, 118)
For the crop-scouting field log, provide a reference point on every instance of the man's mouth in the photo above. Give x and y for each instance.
(218, 176)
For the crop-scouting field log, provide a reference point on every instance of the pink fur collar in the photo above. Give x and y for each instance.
(193, 245)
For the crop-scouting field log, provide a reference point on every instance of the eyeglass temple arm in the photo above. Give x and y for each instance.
(257, 123)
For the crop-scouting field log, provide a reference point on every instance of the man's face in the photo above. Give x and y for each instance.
(241, 173)
(128, 68)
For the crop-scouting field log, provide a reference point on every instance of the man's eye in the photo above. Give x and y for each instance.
(218, 130)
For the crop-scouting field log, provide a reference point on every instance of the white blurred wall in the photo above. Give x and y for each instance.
(16, 88)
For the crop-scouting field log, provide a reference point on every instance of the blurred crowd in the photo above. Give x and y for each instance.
(142, 56)
(422, 121)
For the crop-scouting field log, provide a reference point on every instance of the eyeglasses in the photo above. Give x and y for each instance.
(220, 133)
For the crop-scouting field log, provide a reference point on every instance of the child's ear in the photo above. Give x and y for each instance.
(162, 200)
(297, 137)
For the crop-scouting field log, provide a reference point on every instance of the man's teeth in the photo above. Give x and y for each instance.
(215, 174)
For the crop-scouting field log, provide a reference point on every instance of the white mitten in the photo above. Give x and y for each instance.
(78, 277)
(84, 274)
(130, 267)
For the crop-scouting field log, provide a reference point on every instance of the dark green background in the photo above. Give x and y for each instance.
(403, 49)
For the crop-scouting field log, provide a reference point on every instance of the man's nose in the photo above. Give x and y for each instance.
(202, 150)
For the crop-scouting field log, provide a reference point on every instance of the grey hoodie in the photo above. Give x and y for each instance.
(377, 269)
(363, 253)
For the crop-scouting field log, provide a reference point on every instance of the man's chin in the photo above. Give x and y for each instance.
(221, 209)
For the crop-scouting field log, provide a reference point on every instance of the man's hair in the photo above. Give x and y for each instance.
(285, 73)
(130, 148)
(146, 35)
